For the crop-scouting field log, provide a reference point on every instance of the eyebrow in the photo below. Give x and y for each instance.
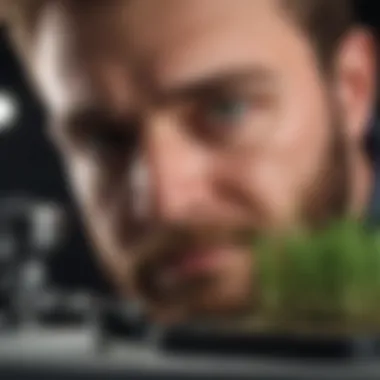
(222, 81)
(201, 86)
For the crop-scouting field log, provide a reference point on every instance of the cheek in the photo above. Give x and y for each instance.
(272, 184)
(98, 216)
(277, 177)
(94, 194)
(84, 182)
(292, 161)
(95, 184)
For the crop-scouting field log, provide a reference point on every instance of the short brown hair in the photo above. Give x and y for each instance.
(325, 21)
(20, 18)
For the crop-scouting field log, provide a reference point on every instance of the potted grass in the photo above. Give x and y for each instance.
(319, 297)
(326, 281)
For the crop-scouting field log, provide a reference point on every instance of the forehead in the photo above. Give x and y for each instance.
(158, 23)
(84, 44)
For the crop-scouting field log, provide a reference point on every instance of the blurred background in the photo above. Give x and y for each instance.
(39, 226)
(31, 176)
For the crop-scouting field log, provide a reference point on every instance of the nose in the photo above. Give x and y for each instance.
(177, 168)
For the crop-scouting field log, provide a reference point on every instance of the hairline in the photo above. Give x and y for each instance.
(22, 18)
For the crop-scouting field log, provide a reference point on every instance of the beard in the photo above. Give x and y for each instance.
(327, 197)
(324, 198)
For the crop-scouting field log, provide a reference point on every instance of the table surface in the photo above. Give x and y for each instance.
(71, 351)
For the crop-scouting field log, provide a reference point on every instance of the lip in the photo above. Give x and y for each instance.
(196, 261)
(166, 281)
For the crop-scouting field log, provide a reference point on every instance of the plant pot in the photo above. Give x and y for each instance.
(266, 343)
(319, 296)
(321, 283)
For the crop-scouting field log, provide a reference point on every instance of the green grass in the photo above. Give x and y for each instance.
(325, 278)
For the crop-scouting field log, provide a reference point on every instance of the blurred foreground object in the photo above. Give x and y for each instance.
(78, 334)
(319, 299)
(326, 281)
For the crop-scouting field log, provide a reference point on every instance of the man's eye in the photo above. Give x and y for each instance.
(110, 142)
(101, 135)
(216, 120)
(226, 111)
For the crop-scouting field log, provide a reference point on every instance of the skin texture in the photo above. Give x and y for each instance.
(184, 125)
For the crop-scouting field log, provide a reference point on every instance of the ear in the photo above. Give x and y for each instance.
(356, 81)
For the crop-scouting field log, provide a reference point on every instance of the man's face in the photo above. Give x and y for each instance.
(183, 125)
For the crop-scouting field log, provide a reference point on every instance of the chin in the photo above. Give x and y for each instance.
(217, 302)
